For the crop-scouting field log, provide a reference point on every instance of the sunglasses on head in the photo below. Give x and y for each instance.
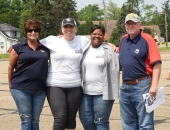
(30, 30)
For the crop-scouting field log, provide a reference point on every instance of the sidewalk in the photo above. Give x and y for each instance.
(9, 119)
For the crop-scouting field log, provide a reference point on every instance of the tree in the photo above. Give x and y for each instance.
(11, 18)
(27, 4)
(90, 12)
(114, 37)
(100, 23)
(84, 28)
(148, 31)
(126, 9)
(8, 15)
(137, 5)
(11, 11)
(41, 11)
(4, 6)
(113, 11)
(51, 13)
(25, 14)
(150, 12)
(63, 9)
(17, 7)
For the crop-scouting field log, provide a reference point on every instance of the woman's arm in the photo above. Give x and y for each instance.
(12, 63)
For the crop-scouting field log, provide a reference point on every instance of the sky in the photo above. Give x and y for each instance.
(82, 3)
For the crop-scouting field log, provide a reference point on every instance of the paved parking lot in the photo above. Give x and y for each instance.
(9, 119)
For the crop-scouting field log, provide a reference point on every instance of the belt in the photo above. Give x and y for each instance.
(136, 80)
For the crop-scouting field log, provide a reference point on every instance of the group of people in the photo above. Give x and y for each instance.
(78, 74)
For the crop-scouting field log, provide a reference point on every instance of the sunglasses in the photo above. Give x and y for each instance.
(30, 30)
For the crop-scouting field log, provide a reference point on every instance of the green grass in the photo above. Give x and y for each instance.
(164, 48)
(4, 56)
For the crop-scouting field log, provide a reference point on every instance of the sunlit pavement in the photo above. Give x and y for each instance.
(9, 119)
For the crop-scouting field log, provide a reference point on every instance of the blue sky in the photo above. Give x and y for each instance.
(82, 3)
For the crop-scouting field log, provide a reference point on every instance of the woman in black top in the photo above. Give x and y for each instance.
(27, 74)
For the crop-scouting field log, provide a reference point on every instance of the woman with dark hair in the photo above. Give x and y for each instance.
(27, 72)
(100, 79)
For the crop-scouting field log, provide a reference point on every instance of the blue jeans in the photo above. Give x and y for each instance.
(132, 106)
(94, 112)
(29, 104)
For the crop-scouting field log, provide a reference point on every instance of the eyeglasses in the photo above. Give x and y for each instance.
(30, 30)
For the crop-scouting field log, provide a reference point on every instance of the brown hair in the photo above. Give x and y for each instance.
(32, 23)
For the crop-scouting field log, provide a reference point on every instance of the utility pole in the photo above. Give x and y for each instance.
(105, 17)
(166, 30)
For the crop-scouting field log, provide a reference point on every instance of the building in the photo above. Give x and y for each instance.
(155, 31)
(9, 36)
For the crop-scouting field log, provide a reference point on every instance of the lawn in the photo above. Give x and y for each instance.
(164, 48)
(4, 56)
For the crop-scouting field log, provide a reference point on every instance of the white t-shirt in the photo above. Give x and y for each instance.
(94, 63)
(65, 57)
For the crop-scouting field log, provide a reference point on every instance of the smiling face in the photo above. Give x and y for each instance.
(69, 32)
(32, 29)
(32, 34)
(97, 38)
(132, 28)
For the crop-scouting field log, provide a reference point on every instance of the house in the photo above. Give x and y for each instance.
(9, 36)
(111, 24)
(155, 31)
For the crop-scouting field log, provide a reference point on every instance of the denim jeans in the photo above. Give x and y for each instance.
(132, 106)
(94, 112)
(29, 104)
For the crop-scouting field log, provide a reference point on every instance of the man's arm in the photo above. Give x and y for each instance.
(155, 79)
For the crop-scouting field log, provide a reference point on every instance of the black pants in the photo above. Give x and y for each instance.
(64, 104)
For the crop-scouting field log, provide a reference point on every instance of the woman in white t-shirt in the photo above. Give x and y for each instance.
(100, 79)
(64, 90)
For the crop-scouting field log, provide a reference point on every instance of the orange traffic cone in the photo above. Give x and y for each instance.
(168, 76)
